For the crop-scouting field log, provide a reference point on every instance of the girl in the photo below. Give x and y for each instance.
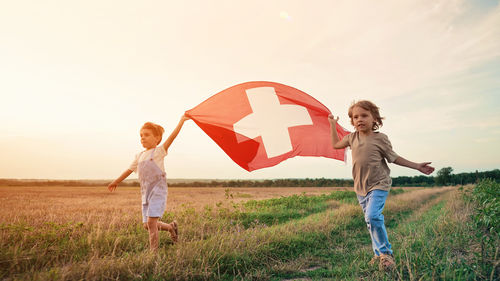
(149, 166)
(370, 150)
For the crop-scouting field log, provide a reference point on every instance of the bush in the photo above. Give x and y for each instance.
(485, 197)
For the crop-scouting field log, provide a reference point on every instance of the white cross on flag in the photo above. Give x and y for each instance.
(260, 124)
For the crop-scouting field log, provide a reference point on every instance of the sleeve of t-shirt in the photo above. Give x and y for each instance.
(161, 151)
(346, 140)
(133, 166)
(387, 151)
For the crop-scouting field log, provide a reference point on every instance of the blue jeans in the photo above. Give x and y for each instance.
(373, 205)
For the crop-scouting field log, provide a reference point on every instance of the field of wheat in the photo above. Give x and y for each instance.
(88, 233)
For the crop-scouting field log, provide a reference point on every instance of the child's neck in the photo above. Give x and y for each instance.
(366, 133)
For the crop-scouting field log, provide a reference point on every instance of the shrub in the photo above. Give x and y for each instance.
(485, 197)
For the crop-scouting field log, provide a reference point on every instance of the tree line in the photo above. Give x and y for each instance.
(307, 182)
(443, 177)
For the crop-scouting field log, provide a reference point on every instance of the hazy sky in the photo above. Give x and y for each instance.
(79, 78)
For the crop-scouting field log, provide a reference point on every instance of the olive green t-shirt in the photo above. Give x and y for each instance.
(369, 167)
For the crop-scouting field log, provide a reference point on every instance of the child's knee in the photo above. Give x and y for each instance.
(152, 223)
(374, 218)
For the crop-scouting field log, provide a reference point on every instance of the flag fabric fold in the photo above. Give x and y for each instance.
(260, 124)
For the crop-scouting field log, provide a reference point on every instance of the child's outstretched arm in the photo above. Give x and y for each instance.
(422, 167)
(175, 132)
(336, 143)
(112, 186)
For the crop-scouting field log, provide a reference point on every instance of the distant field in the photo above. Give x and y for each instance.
(98, 201)
(88, 233)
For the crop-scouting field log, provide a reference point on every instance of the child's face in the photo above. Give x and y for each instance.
(362, 119)
(148, 139)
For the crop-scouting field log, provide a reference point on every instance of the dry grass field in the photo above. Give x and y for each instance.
(88, 233)
(62, 204)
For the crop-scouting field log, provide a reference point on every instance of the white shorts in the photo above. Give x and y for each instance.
(156, 205)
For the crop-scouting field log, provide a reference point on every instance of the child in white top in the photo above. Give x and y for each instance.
(149, 166)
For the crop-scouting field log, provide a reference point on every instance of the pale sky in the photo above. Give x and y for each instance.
(79, 78)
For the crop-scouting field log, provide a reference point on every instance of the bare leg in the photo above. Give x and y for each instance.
(153, 233)
(164, 226)
(170, 228)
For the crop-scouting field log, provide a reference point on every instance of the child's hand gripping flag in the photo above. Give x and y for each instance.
(260, 124)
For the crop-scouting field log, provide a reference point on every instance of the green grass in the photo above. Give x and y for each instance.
(279, 210)
(434, 242)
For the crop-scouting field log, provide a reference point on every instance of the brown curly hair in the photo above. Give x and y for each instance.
(370, 106)
(155, 128)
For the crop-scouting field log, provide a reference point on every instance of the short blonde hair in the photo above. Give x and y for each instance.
(370, 106)
(155, 128)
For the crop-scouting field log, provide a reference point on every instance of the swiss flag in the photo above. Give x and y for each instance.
(260, 124)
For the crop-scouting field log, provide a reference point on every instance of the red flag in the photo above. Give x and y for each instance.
(260, 124)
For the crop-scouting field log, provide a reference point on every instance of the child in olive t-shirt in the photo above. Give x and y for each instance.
(372, 181)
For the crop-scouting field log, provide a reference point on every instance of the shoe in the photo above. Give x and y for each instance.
(387, 262)
(175, 235)
(374, 260)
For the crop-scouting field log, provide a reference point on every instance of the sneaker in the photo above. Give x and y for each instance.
(387, 262)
